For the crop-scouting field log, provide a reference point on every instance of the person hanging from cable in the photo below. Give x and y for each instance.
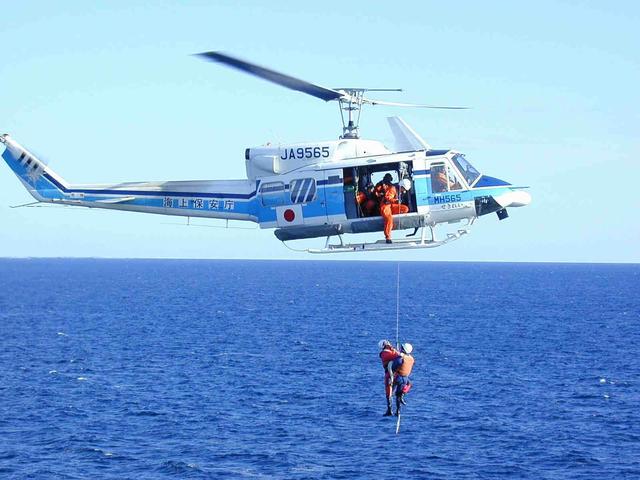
(387, 355)
(399, 370)
(389, 204)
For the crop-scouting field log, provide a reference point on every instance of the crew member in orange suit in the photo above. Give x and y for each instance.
(389, 204)
(387, 354)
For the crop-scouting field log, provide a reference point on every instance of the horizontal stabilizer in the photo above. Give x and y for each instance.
(117, 200)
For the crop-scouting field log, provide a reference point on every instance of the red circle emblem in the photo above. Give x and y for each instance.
(289, 215)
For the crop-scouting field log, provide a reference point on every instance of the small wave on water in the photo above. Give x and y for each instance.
(146, 413)
(178, 468)
(95, 451)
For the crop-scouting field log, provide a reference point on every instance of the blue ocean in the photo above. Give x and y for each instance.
(140, 369)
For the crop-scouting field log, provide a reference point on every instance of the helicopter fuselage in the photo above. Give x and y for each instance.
(303, 190)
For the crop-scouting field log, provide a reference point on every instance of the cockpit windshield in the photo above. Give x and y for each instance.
(466, 169)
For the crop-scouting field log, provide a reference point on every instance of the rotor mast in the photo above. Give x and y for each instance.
(350, 105)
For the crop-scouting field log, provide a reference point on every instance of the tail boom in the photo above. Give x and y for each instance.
(226, 199)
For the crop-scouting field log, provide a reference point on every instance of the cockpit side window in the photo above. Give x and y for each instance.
(443, 178)
(467, 170)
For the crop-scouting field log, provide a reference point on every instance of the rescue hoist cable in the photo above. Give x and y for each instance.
(398, 308)
(397, 333)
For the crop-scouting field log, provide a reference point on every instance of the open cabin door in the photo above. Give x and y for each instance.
(361, 197)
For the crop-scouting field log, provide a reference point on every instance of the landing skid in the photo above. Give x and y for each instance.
(381, 245)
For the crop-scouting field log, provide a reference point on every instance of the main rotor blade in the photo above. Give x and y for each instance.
(395, 104)
(317, 91)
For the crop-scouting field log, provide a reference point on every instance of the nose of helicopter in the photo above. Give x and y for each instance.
(514, 198)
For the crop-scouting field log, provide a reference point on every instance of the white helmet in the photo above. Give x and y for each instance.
(407, 347)
(406, 184)
(383, 343)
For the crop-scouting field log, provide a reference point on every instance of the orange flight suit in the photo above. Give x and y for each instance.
(389, 206)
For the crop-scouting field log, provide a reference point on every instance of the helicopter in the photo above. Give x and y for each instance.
(312, 189)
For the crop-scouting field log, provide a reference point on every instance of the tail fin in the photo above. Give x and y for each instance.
(406, 138)
(41, 182)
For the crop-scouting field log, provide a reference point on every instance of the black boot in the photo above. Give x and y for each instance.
(388, 413)
(398, 403)
(402, 400)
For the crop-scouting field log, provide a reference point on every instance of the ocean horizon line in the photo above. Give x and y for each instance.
(526, 262)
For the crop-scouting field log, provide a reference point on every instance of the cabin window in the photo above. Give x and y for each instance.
(272, 194)
(443, 179)
(303, 190)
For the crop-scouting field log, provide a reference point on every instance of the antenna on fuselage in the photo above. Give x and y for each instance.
(350, 100)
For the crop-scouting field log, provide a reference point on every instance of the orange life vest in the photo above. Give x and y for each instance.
(406, 366)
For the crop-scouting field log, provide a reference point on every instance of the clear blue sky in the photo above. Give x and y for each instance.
(108, 92)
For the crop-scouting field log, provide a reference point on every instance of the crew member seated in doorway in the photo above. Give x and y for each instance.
(387, 355)
(389, 204)
(405, 186)
(399, 371)
(366, 201)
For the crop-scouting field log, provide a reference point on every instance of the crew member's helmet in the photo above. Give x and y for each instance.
(383, 343)
(407, 347)
(387, 177)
